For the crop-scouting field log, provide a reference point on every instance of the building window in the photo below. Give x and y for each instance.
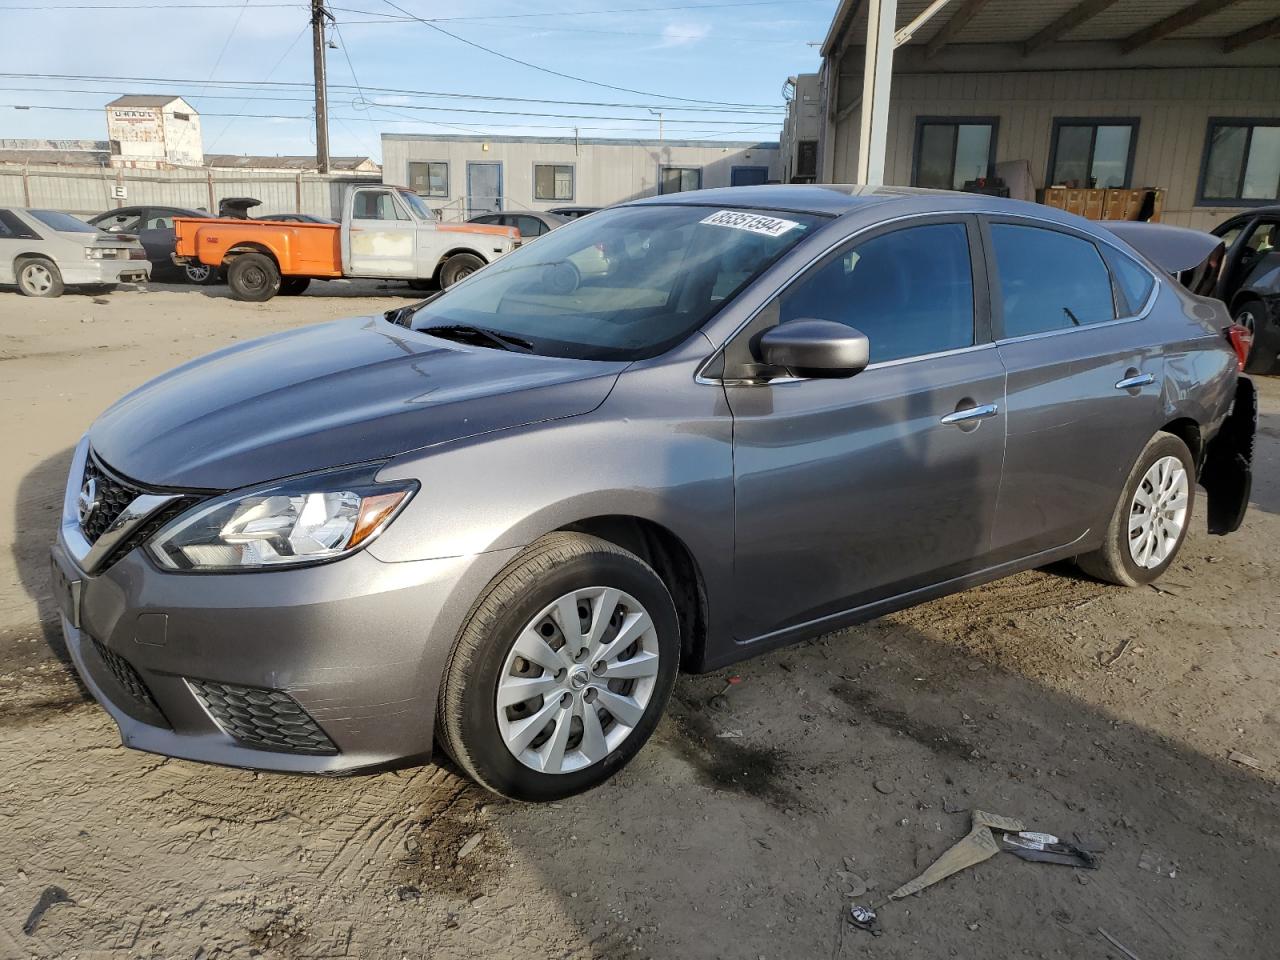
(1241, 162)
(679, 179)
(953, 151)
(807, 158)
(552, 181)
(1092, 153)
(429, 179)
(181, 116)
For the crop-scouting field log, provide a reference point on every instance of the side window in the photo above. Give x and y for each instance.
(157, 220)
(909, 291)
(1049, 280)
(1135, 281)
(528, 226)
(377, 205)
(121, 223)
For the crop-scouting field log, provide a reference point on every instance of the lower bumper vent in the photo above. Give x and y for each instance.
(263, 719)
(127, 677)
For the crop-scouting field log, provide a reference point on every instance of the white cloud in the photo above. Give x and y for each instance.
(681, 34)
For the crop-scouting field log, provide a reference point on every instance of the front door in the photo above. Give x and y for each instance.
(383, 235)
(484, 188)
(856, 490)
(1084, 382)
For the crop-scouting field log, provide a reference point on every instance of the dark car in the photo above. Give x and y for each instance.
(293, 218)
(572, 213)
(153, 226)
(501, 520)
(1249, 282)
(530, 223)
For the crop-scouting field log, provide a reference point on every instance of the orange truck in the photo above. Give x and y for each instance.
(386, 233)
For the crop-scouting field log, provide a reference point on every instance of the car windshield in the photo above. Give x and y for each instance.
(63, 222)
(624, 284)
(420, 209)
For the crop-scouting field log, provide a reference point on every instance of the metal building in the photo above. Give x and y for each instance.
(1172, 95)
(159, 130)
(465, 175)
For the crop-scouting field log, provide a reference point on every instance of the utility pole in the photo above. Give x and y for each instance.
(318, 15)
(658, 114)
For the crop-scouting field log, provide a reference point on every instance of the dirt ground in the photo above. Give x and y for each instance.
(1082, 709)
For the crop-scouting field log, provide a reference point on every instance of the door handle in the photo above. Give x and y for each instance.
(969, 414)
(1138, 380)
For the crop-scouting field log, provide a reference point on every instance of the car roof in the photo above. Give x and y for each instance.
(830, 199)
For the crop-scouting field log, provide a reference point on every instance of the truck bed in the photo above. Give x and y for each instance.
(301, 249)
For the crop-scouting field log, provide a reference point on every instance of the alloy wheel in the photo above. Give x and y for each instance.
(1158, 513)
(577, 680)
(198, 274)
(37, 278)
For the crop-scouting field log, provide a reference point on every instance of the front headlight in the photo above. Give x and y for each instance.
(305, 520)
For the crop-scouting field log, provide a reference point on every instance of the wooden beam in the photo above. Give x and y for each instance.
(1173, 23)
(1261, 31)
(1066, 23)
(959, 20)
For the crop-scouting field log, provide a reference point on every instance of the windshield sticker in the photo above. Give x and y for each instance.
(752, 222)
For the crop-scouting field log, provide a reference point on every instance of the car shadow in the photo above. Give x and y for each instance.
(37, 513)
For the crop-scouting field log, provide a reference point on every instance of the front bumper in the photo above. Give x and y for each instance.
(104, 271)
(359, 645)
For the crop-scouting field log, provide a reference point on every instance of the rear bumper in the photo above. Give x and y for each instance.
(355, 648)
(1227, 474)
(105, 271)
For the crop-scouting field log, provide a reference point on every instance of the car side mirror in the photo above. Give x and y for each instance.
(815, 348)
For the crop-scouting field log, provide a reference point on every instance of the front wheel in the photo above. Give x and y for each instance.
(1252, 315)
(458, 267)
(1151, 519)
(39, 277)
(253, 277)
(197, 273)
(562, 671)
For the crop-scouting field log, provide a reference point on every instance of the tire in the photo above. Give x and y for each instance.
(253, 277)
(458, 267)
(294, 286)
(523, 601)
(1266, 338)
(1115, 561)
(198, 274)
(39, 277)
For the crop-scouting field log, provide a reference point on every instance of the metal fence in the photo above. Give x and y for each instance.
(90, 190)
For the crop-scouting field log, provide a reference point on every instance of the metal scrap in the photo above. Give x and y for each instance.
(978, 845)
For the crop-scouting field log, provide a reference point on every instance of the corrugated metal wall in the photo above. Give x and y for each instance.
(1173, 108)
(88, 190)
(603, 173)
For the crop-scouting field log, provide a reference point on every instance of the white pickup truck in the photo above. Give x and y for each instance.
(387, 233)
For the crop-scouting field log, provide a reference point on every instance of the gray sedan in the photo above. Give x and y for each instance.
(44, 251)
(501, 520)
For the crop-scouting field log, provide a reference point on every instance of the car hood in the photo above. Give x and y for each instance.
(329, 395)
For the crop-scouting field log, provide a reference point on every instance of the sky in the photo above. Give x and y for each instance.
(735, 54)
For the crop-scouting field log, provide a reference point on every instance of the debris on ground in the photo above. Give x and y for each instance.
(1046, 848)
(470, 845)
(1118, 945)
(408, 893)
(864, 918)
(48, 898)
(721, 700)
(952, 806)
(883, 786)
(1235, 756)
(1153, 861)
(1119, 652)
(978, 845)
(729, 735)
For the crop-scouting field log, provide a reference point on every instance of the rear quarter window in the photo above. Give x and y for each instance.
(1135, 280)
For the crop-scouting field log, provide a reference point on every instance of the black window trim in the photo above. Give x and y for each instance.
(957, 122)
(1117, 294)
(573, 181)
(1250, 123)
(435, 196)
(663, 168)
(759, 320)
(1094, 122)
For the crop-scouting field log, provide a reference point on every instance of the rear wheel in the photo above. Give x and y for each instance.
(293, 286)
(458, 267)
(39, 277)
(1252, 315)
(253, 277)
(198, 273)
(562, 671)
(1151, 519)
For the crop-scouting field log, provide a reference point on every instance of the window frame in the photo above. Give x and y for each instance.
(738, 358)
(396, 203)
(435, 196)
(1250, 123)
(1094, 123)
(1118, 300)
(733, 170)
(956, 122)
(663, 168)
(573, 181)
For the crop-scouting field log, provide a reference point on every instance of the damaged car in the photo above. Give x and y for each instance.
(1250, 281)
(499, 522)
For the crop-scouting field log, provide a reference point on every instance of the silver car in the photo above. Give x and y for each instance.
(45, 251)
(501, 520)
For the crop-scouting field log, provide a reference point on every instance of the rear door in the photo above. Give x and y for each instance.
(1084, 387)
(855, 490)
(381, 236)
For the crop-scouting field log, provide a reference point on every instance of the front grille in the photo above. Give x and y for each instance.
(264, 719)
(113, 495)
(126, 676)
(149, 528)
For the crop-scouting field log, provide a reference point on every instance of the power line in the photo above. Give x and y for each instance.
(758, 109)
(555, 73)
(227, 43)
(243, 100)
(180, 8)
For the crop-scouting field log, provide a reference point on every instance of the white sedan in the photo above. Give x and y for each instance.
(44, 251)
